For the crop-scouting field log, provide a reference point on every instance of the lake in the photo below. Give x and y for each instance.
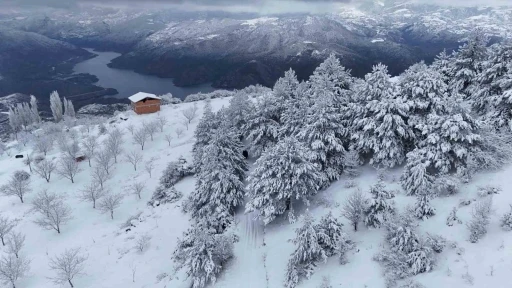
(128, 82)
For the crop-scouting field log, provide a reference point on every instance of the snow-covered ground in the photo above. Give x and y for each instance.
(262, 253)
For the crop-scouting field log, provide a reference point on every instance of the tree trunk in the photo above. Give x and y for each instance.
(89, 162)
(3, 243)
(355, 226)
(69, 280)
(58, 229)
(21, 198)
(72, 181)
(112, 214)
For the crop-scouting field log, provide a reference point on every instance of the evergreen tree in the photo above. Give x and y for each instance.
(56, 106)
(262, 128)
(377, 85)
(422, 209)
(204, 132)
(69, 109)
(240, 107)
(330, 235)
(14, 121)
(285, 87)
(415, 178)
(351, 163)
(293, 117)
(324, 134)
(332, 81)
(282, 174)
(378, 208)
(308, 253)
(506, 220)
(34, 109)
(444, 64)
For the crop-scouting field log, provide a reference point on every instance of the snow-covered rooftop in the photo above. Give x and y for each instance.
(143, 95)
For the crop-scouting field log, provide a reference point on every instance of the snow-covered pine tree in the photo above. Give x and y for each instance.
(69, 109)
(415, 178)
(282, 174)
(293, 117)
(331, 237)
(34, 109)
(324, 134)
(422, 208)
(382, 131)
(203, 254)
(14, 121)
(332, 81)
(56, 106)
(378, 207)
(351, 163)
(285, 87)
(308, 253)
(240, 107)
(262, 128)
(377, 85)
(468, 63)
(444, 64)
(204, 132)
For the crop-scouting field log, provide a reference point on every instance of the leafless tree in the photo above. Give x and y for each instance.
(44, 201)
(179, 131)
(72, 149)
(44, 144)
(18, 185)
(99, 176)
(185, 123)
(168, 138)
(354, 207)
(6, 225)
(92, 193)
(114, 143)
(140, 137)
(190, 113)
(68, 168)
(150, 165)
(28, 161)
(161, 121)
(24, 138)
(105, 160)
(134, 157)
(90, 144)
(142, 242)
(59, 213)
(12, 269)
(134, 270)
(110, 202)
(67, 266)
(130, 128)
(137, 189)
(151, 128)
(45, 169)
(15, 242)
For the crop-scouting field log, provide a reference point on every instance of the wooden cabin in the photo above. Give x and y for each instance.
(145, 103)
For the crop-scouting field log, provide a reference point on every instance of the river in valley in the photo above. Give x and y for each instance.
(128, 82)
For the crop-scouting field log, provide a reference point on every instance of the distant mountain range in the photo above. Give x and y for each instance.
(236, 50)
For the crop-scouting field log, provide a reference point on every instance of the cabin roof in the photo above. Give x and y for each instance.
(141, 96)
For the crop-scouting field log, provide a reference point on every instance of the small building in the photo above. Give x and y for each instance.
(145, 103)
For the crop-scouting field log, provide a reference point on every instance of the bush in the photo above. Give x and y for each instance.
(446, 186)
(164, 195)
(175, 171)
(484, 191)
(481, 214)
(506, 220)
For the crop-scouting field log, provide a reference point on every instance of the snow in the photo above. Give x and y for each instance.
(262, 253)
(142, 95)
(262, 20)
(377, 40)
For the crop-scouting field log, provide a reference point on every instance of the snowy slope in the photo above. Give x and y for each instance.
(262, 253)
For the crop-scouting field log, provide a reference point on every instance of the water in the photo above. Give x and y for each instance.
(128, 82)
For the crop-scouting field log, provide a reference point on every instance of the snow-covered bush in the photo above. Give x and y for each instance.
(326, 282)
(175, 171)
(446, 185)
(437, 242)
(452, 218)
(169, 99)
(203, 254)
(211, 95)
(354, 207)
(164, 195)
(487, 190)
(480, 219)
(331, 237)
(423, 210)
(506, 220)
(378, 208)
(308, 253)
(494, 150)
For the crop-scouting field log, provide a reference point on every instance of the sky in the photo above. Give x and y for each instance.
(252, 6)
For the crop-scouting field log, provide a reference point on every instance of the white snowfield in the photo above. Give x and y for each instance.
(262, 253)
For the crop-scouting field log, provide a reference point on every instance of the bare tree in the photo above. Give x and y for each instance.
(110, 202)
(15, 242)
(130, 128)
(353, 208)
(142, 242)
(67, 266)
(44, 144)
(59, 213)
(99, 176)
(28, 161)
(92, 193)
(45, 169)
(480, 219)
(90, 144)
(12, 269)
(150, 165)
(190, 113)
(18, 185)
(161, 121)
(24, 138)
(71, 150)
(137, 189)
(105, 160)
(179, 131)
(185, 123)
(114, 143)
(134, 157)
(140, 137)
(6, 225)
(168, 138)
(151, 128)
(44, 201)
(68, 168)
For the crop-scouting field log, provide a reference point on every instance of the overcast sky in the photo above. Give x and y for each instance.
(257, 6)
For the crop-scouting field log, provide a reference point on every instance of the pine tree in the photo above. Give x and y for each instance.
(262, 128)
(444, 64)
(283, 173)
(240, 107)
(308, 253)
(378, 207)
(34, 109)
(56, 106)
(415, 178)
(330, 235)
(422, 209)
(324, 134)
(377, 85)
(351, 163)
(293, 117)
(204, 132)
(285, 87)
(332, 81)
